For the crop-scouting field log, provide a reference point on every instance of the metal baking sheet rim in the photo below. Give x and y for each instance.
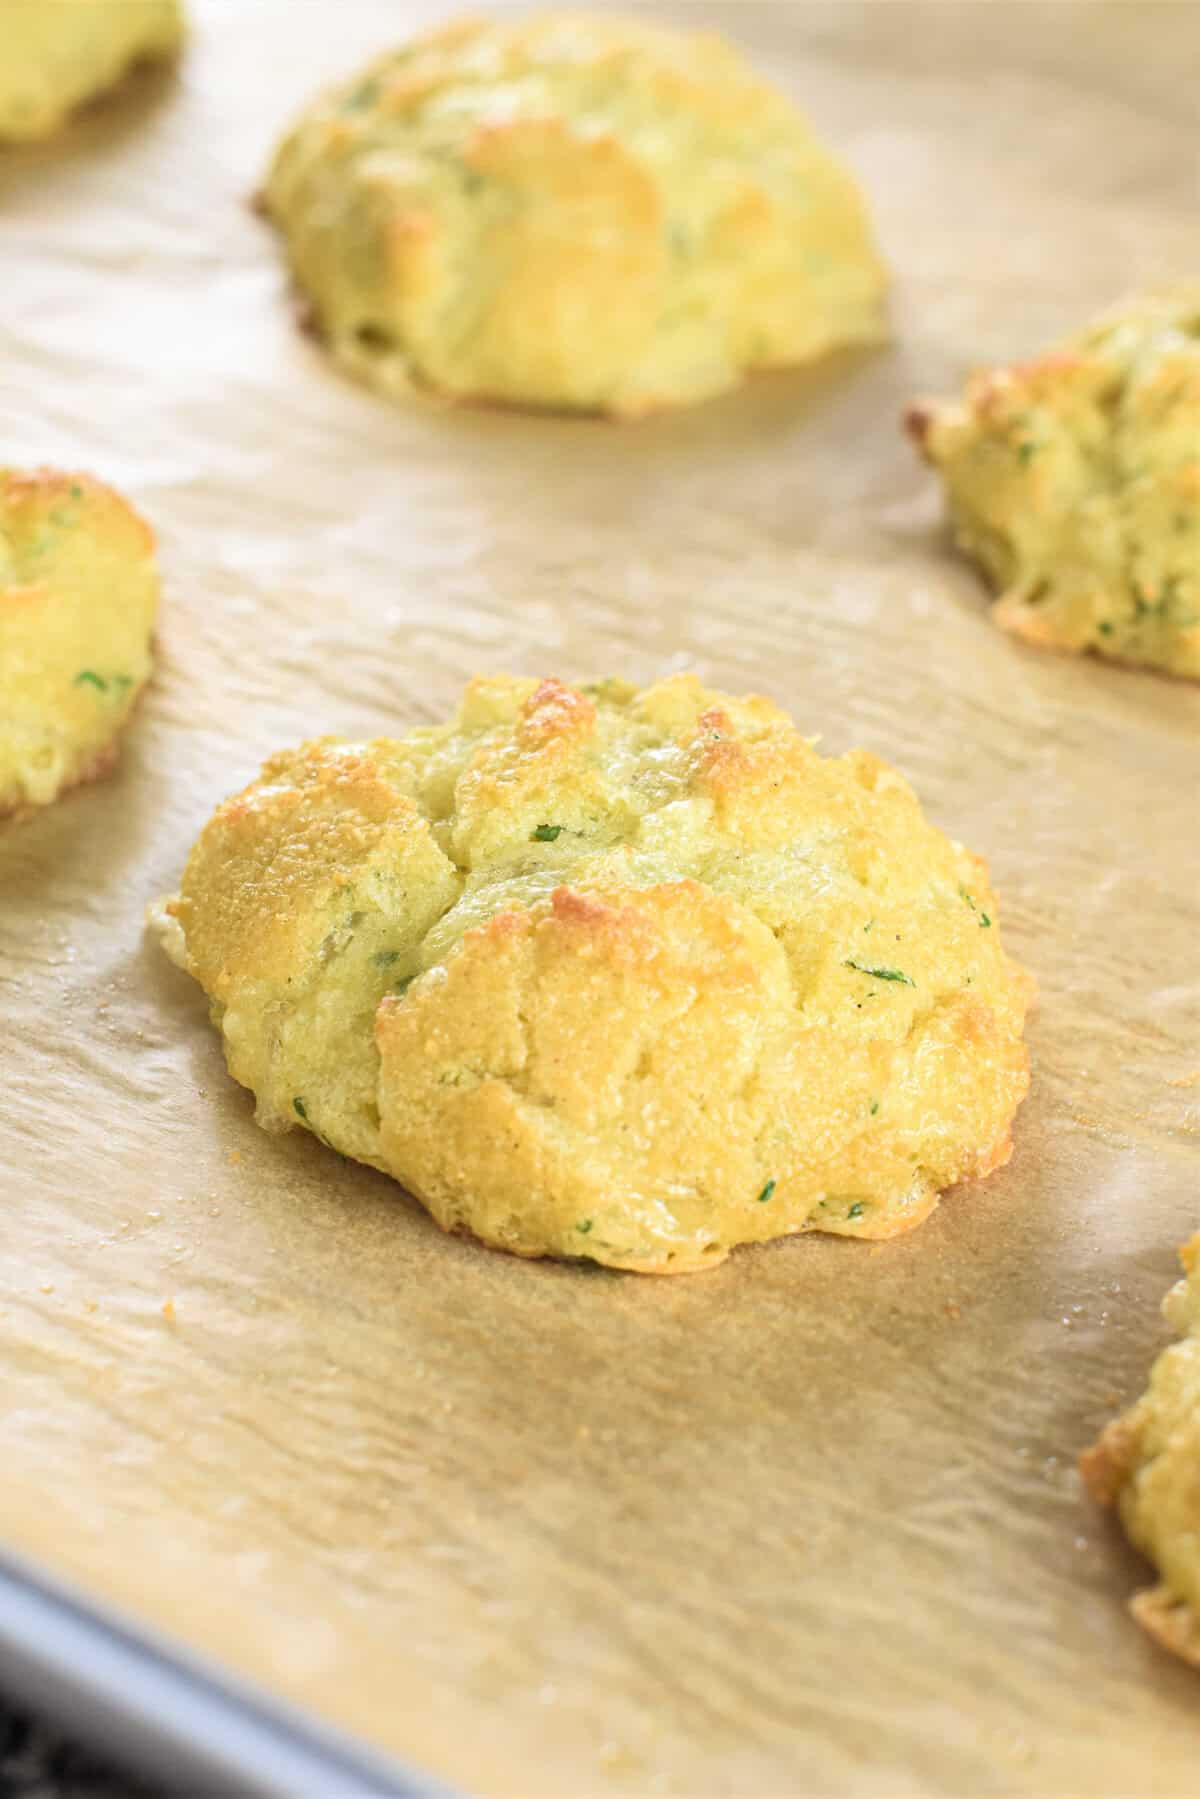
(169, 1714)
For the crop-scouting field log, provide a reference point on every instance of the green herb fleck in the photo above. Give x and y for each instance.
(546, 833)
(1105, 627)
(868, 925)
(984, 920)
(384, 958)
(1026, 452)
(88, 677)
(364, 95)
(76, 491)
(584, 1226)
(298, 1109)
(880, 974)
(766, 1193)
(856, 1210)
(121, 681)
(874, 1107)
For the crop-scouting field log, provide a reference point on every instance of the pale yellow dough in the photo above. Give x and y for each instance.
(578, 210)
(635, 976)
(1074, 481)
(55, 54)
(1148, 1463)
(78, 596)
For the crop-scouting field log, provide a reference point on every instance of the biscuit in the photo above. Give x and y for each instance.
(78, 594)
(1074, 481)
(576, 211)
(1147, 1463)
(599, 972)
(55, 54)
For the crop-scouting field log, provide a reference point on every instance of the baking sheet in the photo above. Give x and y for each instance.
(808, 1524)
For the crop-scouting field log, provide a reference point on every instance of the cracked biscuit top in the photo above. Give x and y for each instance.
(631, 975)
(56, 54)
(1074, 481)
(576, 210)
(1148, 1463)
(78, 596)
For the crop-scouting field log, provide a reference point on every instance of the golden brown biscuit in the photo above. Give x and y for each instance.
(1074, 481)
(55, 54)
(1148, 1464)
(577, 210)
(597, 972)
(78, 595)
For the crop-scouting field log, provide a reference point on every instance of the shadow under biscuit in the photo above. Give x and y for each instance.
(99, 124)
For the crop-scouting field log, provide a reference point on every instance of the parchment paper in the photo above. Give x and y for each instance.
(806, 1525)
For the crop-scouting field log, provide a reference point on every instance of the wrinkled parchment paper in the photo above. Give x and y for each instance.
(806, 1525)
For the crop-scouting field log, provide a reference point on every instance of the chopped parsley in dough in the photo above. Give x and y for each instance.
(574, 210)
(642, 1040)
(1074, 481)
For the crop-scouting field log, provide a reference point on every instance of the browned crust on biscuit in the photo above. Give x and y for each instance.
(917, 421)
(46, 487)
(1102, 430)
(610, 1030)
(577, 322)
(1106, 1466)
(1170, 1621)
